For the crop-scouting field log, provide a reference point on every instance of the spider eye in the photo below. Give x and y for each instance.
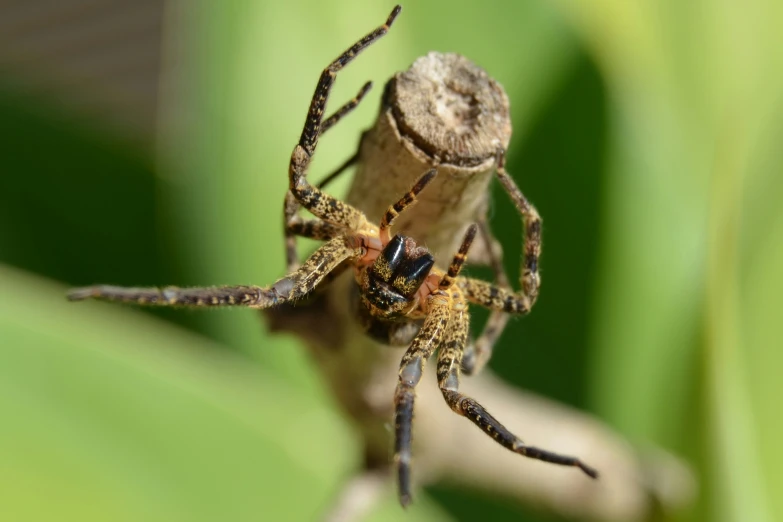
(411, 273)
(389, 259)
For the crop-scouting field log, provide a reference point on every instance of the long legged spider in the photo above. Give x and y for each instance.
(397, 281)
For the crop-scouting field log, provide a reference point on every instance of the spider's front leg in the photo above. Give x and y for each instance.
(320, 204)
(294, 286)
(294, 224)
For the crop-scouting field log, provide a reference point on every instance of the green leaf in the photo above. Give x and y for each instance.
(109, 414)
(685, 330)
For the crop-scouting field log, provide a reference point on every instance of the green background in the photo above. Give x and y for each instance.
(647, 133)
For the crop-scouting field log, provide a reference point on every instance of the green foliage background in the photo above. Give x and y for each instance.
(647, 133)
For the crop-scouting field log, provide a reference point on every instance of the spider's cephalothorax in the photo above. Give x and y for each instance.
(390, 286)
(397, 282)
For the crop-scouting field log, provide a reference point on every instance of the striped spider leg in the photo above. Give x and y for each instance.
(301, 193)
(500, 297)
(349, 235)
(444, 305)
(402, 284)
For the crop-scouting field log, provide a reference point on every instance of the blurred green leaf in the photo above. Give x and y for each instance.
(111, 415)
(76, 204)
(696, 89)
(646, 132)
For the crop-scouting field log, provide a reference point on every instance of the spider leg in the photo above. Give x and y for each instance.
(531, 280)
(459, 259)
(314, 200)
(293, 224)
(313, 125)
(296, 225)
(478, 352)
(439, 306)
(346, 109)
(314, 228)
(407, 200)
(411, 368)
(449, 363)
(339, 170)
(319, 265)
(505, 298)
(495, 297)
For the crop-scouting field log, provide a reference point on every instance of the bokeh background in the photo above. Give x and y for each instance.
(146, 143)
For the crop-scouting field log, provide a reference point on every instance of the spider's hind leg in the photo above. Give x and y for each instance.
(531, 279)
(449, 363)
(478, 352)
(439, 312)
(500, 297)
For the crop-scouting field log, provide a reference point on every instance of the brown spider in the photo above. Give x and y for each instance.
(398, 284)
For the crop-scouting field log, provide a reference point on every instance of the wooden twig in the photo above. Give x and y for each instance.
(445, 111)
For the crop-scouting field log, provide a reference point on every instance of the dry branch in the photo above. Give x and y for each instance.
(448, 112)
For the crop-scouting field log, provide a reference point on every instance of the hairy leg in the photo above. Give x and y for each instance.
(293, 224)
(478, 352)
(411, 369)
(459, 259)
(404, 202)
(439, 312)
(530, 278)
(502, 297)
(449, 363)
(495, 297)
(314, 200)
(294, 286)
(346, 109)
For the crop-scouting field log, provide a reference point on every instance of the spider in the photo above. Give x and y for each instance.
(402, 294)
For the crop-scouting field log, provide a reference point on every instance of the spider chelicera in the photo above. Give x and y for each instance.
(399, 286)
